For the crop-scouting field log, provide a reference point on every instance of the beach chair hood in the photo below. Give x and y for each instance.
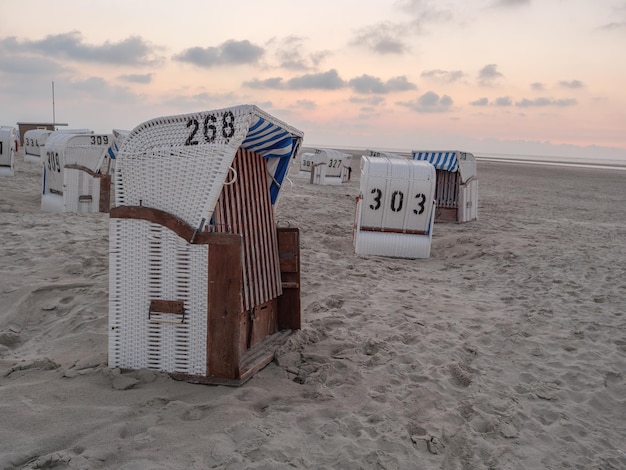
(449, 160)
(180, 163)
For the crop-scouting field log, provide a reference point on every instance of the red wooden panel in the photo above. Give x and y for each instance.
(244, 207)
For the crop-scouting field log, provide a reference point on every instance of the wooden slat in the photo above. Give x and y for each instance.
(245, 206)
(104, 204)
(224, 308)
(178, 226)
(176, 307)
(289, 304)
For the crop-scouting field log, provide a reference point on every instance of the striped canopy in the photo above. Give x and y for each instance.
(441, 160)
(275, 143)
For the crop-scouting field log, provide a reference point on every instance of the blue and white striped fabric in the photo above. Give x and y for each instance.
(272, 142)
(441, 160)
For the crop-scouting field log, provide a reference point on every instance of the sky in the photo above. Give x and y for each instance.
(525, 77)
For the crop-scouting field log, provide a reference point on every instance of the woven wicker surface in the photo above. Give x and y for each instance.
(180, 163)
(148, 261)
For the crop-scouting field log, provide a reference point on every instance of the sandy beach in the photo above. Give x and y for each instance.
(506, 349)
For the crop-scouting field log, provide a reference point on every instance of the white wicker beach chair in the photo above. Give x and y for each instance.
(8, 137)
(34, 143)
(377, 153)
(306, 162)
(76, 172)
(395, 209)
(329, 166)
(201, 280)
(456, 193)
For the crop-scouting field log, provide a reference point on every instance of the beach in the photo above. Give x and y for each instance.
(506, 349)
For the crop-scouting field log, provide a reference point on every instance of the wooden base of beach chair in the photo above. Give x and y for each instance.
(238, 342)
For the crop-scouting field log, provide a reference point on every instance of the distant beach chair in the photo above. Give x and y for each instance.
(395, 209)
(328, 166)
(203, 284)
(457, 184)
(8, 136)
(377, 153)
(306, 163)
(76, 172)
(34, 142)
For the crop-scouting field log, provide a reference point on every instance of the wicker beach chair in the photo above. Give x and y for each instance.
(395, 208)
(8, 136)
(34, 143)
(202, 282)
(329, 166)
(76, 172)
(456, 193)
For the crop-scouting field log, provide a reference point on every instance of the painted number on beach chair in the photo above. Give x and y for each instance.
(397, 201)
(99, 139)
(334, 163)
(1, 151)
(53, 161)
(210, 128)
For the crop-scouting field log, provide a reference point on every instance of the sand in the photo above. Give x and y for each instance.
(504, 350)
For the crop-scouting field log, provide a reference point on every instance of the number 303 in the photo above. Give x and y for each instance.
(397, 201)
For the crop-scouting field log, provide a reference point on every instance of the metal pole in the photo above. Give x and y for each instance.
(53, 116)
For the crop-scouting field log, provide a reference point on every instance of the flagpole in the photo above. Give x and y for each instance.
(53, 116)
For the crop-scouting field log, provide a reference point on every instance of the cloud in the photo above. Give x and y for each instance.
(542, 102)
(537, 86)
(367, 84)
(392, 38)
(429, 102)
(24, 65)
(614, 26)
(131, 51)
(488, 75)
(425, 12)
(308, 105)
(369, 100)
(137, 78)
(511, 3)
(480, 102)
(290, 56)
(230, 52)
(315, 81)
(383, 39)
(504, 101)
(443, 75)
(273, 83)
(571, 84)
